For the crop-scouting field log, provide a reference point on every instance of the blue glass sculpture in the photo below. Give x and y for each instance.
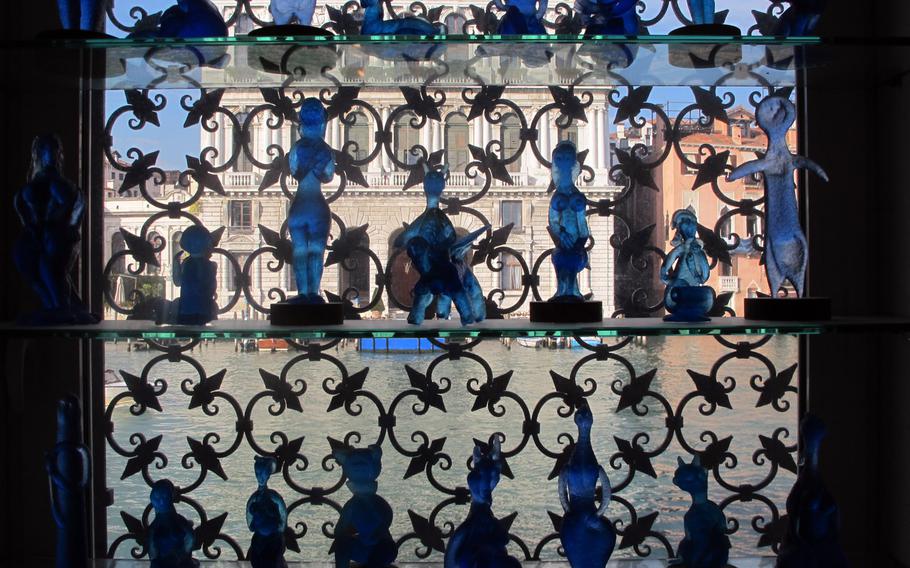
(800, 18)
(568, 225)
(587, 536)
(705, 544)
(786, 251)
(439, 257)
(170, 535)
(286, 11)
(522, 17)
(481, 539)
(374, 24)
(608, 17)
(196, 275)
(68, 466)
(362, 534)
(85, 15)
(812, 539)
(50, 209)
(702, 11)
(685, 270)
(192, 18)
(267, 518)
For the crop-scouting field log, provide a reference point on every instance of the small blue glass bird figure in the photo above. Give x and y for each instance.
(286, 11)
(586, 535)
(86, 15)
(522, 17)
(375, 24)
(702, 11)
(196, 275)
(192, 19)
(50, 209)
(705, 544)
(267, 518)
(608, 17)
(812, 539)
(800, 18)
(786, 250)
(170, 536)
(685, 270)
(481, 540)
(362, 534)
(68, 467)
(568, 225)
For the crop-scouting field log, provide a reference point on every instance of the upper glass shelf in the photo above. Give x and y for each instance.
(377, 329)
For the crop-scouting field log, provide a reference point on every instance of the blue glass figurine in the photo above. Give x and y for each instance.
(286, 11)
(587, 536)
(786, 252)
(705, 544)
(50, 209)
(568, 225)
(87, 15)
(267, 517)
(439, 257)
(812, 539)
(800, 18)
(362, 534)
(190, 19)
(170, 536)
(195, 275)
(481, 540)
(685, 270)
(68, 472)
(608, 17)
(522, 17)
(374, 24)
(702, 11)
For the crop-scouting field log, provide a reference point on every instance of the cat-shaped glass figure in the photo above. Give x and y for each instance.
(170, 535)
(568, 225)
(190, 19)
(800, 18)
(685, 270)
(608, 17)
(267, 518)
(702, 11)
(705, 544)
(786, 251)
(286, 11)
(362, 534)
(480, 540)
(439, 257)
(374, 24)
(50, 209)
(196, 276)
(87, 15)
(586, 535)
(522, 17)
(68, 468)
(812, 539)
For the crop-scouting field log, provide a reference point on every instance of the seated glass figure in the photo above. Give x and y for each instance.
(50, 209)
(191, 19)
(786, 249)
(287, 11)
(800, 18)
(362, 534)
(568, 225)
(170, 535)
(195, 275)
(705, 544)
(812, 539)
(684, 271)
(375, 24)
(481, 540)
(702, 11)
(587, 537)
(439, 256)
(267, 518)
(87, 15)
(68, 470)
(608, 17)
(522, 17)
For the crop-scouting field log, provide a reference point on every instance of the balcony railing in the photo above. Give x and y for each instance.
(729, 284)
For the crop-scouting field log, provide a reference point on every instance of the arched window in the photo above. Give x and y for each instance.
(357, 131)
(455, 23)
(243, 163)
(402, 272)
(151, 269)
(569, 133)
(457, 142)
(175, 243)
(726, 227)
(118, 244)
(359, 278)
(510, 134)
(752, 225)
(405, 138)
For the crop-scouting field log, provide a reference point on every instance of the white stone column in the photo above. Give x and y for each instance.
(439, 144)
(544, 135)
(605, 148)
(384, 112)
(597, 139)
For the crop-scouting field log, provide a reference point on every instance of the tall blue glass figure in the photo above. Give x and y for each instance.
(87, 15)
(481, 540)
(587, 536)
(608, 17)
(522, 17)
(192, 18)
(786, 251)
(68, 467)
(267, 518)
(705, 544)
(170, 537)
(196, 275)
(362, 534)
(685, 270)
(50, 209)
(375, 24)
(568, 225)
(800, 18)
(702, 11)
(812, 539)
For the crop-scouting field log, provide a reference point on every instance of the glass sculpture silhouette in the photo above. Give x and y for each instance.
(68, 468)
(568, 225)
(702, 11)
(439, 256)
(522, 17)
(786, 251)
(608, 17)
(87, 15)
(362, 534)
(705, 544)
(170, 535)
(481, 540)
(374, 24)
(684, 271)
(286, 11)
(196, 275)
(800, 18)
(587, 536)
(50, 209)
(267, 518)
(191, 18)
(812, 539)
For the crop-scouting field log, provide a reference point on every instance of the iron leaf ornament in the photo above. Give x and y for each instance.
(143, 455)
(631, 105)
(634, 393)
(427, 390)
(429, 534)
(711, 390)
(348, 390)
(201, 172)
(139, 172)
(204, 392)
(635, 456)
(142, 392)
(206, 456)
(203, 109)
(143, 108)
(281, 390)
(637, 531)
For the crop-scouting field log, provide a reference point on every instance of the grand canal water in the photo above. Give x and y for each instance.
(529, 493)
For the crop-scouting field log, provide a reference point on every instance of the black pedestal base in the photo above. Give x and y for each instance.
(787, 309)
(290, 30)
(567, 312)
(330, 313)
(705, 56)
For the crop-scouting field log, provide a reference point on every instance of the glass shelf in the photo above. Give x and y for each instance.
(363, 329)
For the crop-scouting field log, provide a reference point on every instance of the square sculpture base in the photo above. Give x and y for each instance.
(787, 309)
(567, 312)
(285, 313)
